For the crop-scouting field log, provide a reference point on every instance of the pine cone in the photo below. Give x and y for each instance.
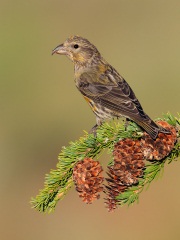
(87, 176)
(128, 161)
(162, 146)
(128, 167)
(113, 188)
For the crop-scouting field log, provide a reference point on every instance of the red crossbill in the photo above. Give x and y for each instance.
(106, 91)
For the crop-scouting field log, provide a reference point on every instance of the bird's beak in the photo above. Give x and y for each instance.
(59, 50)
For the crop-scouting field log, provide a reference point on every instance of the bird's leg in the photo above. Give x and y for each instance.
(127, 120)
(94, 129)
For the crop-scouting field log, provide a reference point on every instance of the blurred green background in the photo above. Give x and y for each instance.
(41, 110)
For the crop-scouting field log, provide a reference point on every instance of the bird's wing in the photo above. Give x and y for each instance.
(111, 92)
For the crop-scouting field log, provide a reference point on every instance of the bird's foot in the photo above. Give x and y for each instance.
(93, 130)
(127, 121)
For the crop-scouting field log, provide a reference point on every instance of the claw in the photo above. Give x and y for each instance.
(93, 130)
(127, 120)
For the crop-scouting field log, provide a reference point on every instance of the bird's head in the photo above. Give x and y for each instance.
(78, 49)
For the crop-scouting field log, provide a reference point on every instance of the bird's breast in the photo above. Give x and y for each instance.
(101, 111)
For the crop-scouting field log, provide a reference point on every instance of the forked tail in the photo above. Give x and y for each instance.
(152, 128)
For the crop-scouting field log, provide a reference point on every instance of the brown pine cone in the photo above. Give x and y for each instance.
(113, 188)
(128, 167)
(87, 176)
(128, 161)
(162, 146)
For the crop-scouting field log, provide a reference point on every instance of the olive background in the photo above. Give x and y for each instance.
(41, 111)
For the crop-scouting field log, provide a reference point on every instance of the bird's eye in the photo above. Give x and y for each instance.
(76, 46)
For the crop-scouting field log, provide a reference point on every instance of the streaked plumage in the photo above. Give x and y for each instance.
(106, 91)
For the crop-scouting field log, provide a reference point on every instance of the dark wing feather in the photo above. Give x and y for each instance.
(115, 95)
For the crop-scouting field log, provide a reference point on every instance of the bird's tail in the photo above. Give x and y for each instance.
(152, 128)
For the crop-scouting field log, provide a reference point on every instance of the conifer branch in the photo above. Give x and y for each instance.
(60, 180)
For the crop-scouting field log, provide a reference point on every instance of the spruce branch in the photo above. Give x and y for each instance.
(60, 180)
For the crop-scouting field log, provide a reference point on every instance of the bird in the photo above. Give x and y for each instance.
(105, 90)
